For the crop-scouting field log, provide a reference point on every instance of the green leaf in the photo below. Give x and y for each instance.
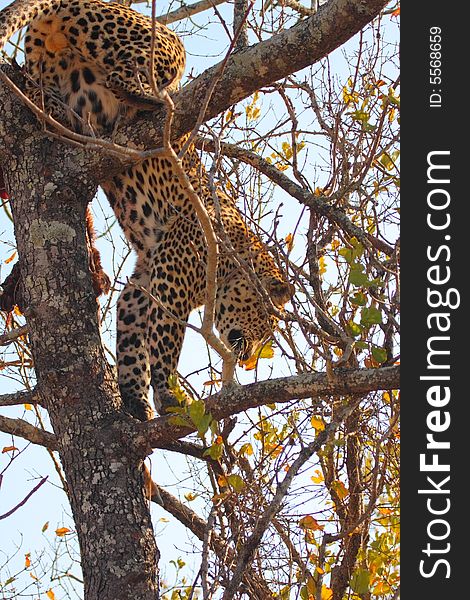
(236, 483)
(347, 254)
(360, 581)
(214, 451)
(179, 420)
(361, 345)
(358, 299)
(357, 276)
(379, 354)
(354, 329)
(370, 316)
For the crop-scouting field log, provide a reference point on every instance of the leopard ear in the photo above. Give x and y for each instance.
(280, 291)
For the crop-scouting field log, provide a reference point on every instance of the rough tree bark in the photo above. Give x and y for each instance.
(50, 184)
(50, 190)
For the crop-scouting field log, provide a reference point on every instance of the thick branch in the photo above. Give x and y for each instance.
(236, 399)
(28, 432)
(245, 72)
(19, 398)
(254, 67)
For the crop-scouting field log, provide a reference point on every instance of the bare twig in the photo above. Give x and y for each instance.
(25, 499)
(319, 204)
(184, 12)
(264, 521)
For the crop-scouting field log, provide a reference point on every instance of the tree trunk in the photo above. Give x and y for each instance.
(50, 190)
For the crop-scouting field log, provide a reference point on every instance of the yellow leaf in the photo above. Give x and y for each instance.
(317, 423)
(246, 449)
(50, 594)
(318, 478)
(322, 265)
(17, 311)
(340, 489)
(265, 352)
(10, 258)
(273, 449)
(289, 242)
(27, 560)
(228, 116)
(190, 496)
(62, 531)
(326, 593)
(163, 520)
(28, 407)
(9, 449)
(211, 382)
(310, 523)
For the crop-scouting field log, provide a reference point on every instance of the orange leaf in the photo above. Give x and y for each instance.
(310, 523)
(340, 489)
(27, 560)
(10, 258)
(28, 407)
(222, 481)
(396, 12)
(50, 594)
(17, 311)
(62, 531)
(9, 449)
(289, 239)
(317, 423)
(250, 363)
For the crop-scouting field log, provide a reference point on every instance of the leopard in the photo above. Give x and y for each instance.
(89, 64)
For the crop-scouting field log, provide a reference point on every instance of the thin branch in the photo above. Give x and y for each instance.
(28, 432)
(25, 499)
(269, 513)
(321, 205)
(14, 334)
(184, 12)
(207, 326)
(199, 528)
(16, 398)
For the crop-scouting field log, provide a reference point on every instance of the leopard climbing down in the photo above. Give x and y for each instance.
(88, 64)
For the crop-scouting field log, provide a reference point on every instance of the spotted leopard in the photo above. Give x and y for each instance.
(88, 63)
